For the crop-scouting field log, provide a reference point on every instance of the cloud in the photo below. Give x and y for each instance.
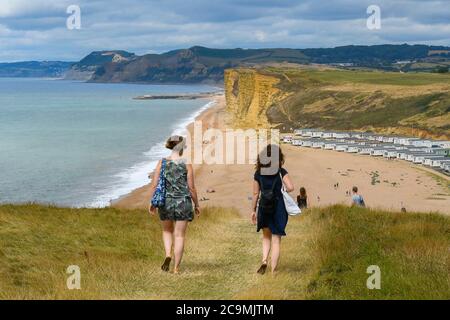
(22, 8)
(36, 29)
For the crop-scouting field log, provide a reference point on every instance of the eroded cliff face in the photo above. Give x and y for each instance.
(332, 100)
(249, 94)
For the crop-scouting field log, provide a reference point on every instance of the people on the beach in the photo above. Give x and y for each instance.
(180, 193)
(357, 199)
(302, 199)
(269, 212)
(403, 208)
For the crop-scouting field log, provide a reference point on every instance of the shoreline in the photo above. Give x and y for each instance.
(386, 185)
(140, 197)
(140, 170)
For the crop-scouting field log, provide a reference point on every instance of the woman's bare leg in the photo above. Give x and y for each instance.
(276, 242)
(267, 238)
(180, 233)
(167, 226)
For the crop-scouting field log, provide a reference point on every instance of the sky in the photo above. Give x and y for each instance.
(37, 29)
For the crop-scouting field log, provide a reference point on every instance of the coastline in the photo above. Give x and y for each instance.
(136, 175)
(386, 185)
(212, 115)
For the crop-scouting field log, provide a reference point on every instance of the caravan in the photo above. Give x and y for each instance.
(377, 152)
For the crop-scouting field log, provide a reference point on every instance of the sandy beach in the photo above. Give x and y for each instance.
(386, 184)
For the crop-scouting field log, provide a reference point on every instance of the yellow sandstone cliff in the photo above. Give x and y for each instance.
(249, 94)
(338, 100)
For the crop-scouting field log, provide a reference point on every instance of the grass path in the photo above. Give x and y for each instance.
(120, 258)
(325, 255)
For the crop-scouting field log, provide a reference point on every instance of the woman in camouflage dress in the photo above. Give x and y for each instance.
(180, 193)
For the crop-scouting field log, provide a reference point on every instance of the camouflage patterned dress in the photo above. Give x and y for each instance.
(178, 206)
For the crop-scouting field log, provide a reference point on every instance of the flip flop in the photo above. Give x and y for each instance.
(262, 269)
(166, 264)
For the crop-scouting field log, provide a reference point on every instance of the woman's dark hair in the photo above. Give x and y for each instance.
(355, 189)
(176, 143)
(303, 192)
(266, 154)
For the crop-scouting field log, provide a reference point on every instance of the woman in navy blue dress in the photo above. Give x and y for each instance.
(270, 175)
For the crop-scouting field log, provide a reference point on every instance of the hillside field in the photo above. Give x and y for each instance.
(416, 104)
(325, 255)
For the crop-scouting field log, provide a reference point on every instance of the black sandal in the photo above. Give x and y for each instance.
(262, 269)
(166, 264)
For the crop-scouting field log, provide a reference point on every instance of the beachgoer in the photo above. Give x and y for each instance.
(357, 199)
(302, 199)
(269, 212)
(180, 193)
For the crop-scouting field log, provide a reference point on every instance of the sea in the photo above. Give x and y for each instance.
(80, 144)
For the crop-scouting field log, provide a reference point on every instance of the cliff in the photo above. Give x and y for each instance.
(317, 97)
(249, 94)
(206, 65)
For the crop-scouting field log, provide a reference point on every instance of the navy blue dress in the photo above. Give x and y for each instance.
(277, 221)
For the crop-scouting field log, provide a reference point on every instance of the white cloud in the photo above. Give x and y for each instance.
(20, 8)
(35, 29)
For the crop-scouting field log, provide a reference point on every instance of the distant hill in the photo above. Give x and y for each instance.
(96, 61)
(206, 65)
(375, 54)
(197, 64)
(200, 64)
(51, 69)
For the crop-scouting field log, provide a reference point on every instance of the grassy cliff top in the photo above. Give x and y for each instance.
(325, 255)
(415, 104)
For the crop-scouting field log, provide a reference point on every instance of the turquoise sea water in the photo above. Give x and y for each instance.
(84, 144)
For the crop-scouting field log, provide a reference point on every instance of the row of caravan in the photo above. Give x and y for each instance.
(367, 136)
(429, 156)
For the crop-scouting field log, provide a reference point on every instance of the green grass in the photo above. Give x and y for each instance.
(374, 77)
(400, 103)
(325, 255)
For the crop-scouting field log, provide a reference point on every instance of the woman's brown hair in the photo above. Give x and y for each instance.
(176, 143)
(266, 153)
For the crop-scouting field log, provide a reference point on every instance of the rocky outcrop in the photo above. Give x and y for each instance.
(89, 66)
(249, 94)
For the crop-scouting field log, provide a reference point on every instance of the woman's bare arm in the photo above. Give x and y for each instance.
(155, 178)
(288, 183)
(255, 195)
(191, 185)
(255, 200)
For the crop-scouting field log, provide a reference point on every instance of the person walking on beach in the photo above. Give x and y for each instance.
(177, 210)
(269, 212)
(302, 199)
(357, 199)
